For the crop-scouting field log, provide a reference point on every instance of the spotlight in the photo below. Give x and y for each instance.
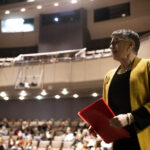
(64, 91)
(75, 95)
(7, 12)
(33, 84)
(23, 93)
(56, 4)
(74, 1)
(3, 94)
(56, 19)
(26, 84)
(44, 93)
(94, 94)
(39, 97)
(6, 98)
(57, 96)
(21, 84)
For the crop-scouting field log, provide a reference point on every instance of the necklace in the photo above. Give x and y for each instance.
(121, 70)
(124, 70)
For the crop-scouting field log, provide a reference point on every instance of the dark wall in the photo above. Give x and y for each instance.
(42, 109)
(14, 52)
(69, 33)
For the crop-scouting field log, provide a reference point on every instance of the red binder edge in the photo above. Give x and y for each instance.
(90, 106)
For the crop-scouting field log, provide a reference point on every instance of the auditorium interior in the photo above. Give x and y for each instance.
(54, 55)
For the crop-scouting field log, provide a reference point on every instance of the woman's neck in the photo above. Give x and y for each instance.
(126, 64)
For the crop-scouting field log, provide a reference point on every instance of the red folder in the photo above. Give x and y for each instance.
(97, 115)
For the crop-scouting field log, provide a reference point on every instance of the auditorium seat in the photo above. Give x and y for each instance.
(56, 144)
(43, 144)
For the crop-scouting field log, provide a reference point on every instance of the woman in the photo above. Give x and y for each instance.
(127, 91)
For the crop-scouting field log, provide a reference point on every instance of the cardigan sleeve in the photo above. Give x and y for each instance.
(142, 115)
(142, 118)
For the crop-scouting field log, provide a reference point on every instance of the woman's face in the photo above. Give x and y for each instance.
(120, 48)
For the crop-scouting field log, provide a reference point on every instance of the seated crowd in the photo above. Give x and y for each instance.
(47, 135)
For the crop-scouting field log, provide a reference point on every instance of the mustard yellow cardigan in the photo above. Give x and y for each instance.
(139, 94)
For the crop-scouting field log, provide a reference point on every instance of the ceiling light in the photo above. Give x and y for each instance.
(43, 92)
(39, 97)
(33, 84)
(75, 95)
(64, 91)
(74, 1)
(30, 0)
(39, 6)
(23, 93)
(57, 96)
(123, 15)
(21, 84)
(26, 84)
(56, 19)
(7, 12)
(22, 9)
(56, 4)
(6, 98)
(3, 94)
(21, 97)
(94, 94)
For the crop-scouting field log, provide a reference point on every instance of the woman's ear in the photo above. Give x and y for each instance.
(132, 44)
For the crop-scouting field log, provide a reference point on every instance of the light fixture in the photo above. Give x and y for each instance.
(3, 94)
(7, 12)
(21, 97)
(56, 4)
(94, 94)
(74, 1)
(75, 95)
(39, 97)
(33, 83)
(56, 19)
(43, 93)
(6, 98)
(23, 93)
(22, 9)
(30, 0)
(64, 91)
(39, 6)
(26, 85)
(123, 15)
(21, 84)
(57, 96)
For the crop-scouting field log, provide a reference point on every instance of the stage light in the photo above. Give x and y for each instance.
(23, 93)
(94, 94)
(21, 97)
(64, 91)
(39, 97)
(75, 95)
(3, 94)
(44, 93)
(39, 7)
(57, 96)
(21, 84)
(56, 4)
(33, 84)
(74, 1)
(56, 19)
(6, 98)
(22, 9)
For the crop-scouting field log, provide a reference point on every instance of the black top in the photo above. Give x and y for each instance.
(119, 94)
(119, 102)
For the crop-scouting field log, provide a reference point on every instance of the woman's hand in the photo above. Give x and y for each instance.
(92, 131)
(120, 121)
